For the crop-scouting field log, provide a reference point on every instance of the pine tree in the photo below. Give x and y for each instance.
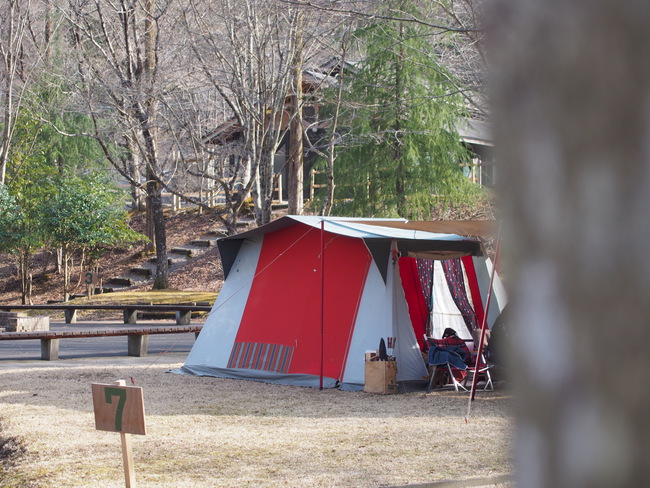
(403, 152)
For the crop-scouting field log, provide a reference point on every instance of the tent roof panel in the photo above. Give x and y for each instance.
(477, 228)
(413, 238)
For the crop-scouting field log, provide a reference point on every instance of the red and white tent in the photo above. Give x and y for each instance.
(304, 298)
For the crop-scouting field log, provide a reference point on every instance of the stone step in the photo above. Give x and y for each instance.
(121, 281)
(104, 289)
(217, 233)
(202, 243)
(21, 322)
(141, 271)
(183, 251)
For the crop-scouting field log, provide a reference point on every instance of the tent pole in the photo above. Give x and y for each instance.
(484, 322)
(322, 301)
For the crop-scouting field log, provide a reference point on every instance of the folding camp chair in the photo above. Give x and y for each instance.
(483, 373)
(465, 384)
(445, 371)
(443, 374)
(438, 376)
(445, 363)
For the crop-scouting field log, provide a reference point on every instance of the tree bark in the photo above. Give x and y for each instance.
(264, 191)
(124, 81)
(9, 45)
(572, 87)
(295, 183)
(328, 201)
(161, 281)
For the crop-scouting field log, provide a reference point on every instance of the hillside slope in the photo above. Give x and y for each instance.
(202, 273)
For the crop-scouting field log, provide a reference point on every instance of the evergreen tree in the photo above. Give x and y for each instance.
(402, 151)
(86, 215)
(49, 170)
(28, 190)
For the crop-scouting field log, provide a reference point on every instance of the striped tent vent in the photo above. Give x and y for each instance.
(260, 356)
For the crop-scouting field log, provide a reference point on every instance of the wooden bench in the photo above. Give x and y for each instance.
(138, 337)
(130, 312)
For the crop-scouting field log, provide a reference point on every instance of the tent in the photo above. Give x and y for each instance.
(304, 298)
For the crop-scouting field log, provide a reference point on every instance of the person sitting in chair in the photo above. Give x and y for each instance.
(450, 349)
(451, 341)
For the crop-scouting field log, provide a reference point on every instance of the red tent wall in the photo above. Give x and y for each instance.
(281, 326)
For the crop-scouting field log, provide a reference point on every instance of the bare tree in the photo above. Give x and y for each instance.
(247, 51)
(571, 118)
(296, 151)
(14, 18)
(119, 78)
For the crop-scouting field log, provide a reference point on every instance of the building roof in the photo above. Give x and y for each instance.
(472, 131)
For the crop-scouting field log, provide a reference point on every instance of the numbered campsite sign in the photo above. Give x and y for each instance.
(119, 408)
(91, 278)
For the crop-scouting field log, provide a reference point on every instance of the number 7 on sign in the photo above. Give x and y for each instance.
(109, 393)
(119, 408)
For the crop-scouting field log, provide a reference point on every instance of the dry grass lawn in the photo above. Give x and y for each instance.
(211, 432)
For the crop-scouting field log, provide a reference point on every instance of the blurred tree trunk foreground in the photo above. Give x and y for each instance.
(572, 124)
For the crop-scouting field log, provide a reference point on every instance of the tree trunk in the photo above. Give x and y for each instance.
(66, 273)
(264, 190)
(149, 131)
(149, 225)
(160, 235)
(8, 42)
(400, 112)
(134, 168)
(5, 142)
(58, 269)
(328, 201)
(295, 183)
(14, 28)
(572, 85)
(24, 265)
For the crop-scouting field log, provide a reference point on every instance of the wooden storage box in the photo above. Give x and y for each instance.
(380, 377)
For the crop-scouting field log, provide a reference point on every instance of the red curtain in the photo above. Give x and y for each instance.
(418, 309)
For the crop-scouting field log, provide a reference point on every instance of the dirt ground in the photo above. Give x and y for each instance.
(211, 432)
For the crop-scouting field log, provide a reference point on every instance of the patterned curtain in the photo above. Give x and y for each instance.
(454, 275)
